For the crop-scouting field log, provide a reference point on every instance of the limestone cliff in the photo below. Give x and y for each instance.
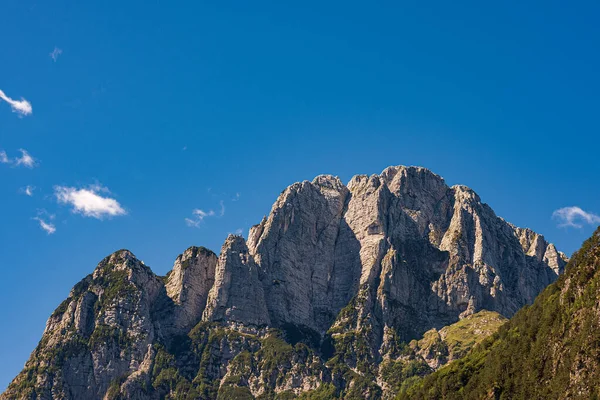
(324, 296)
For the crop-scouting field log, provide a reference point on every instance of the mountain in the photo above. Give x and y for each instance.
(550, 350)
(322, 300)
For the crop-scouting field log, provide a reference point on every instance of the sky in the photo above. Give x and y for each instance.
(156, 125)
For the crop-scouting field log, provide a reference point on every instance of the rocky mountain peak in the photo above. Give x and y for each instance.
(465, 194)
(411, 180)
(349, 271)
(121, 257)
(121, 260)
(364, 182)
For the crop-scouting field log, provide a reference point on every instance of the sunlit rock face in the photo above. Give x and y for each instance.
(324, 291)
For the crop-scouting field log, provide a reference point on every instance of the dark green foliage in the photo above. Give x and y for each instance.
(26, 381)
(352, 348)
(61, 308)
(185, 264)
(326, 391)
(348, 316)
(549, 350)
(106, 335)
(195, 251)
(360, 387)
(286, 395)
(395, 373)
(167, 379)
(114, 390)
(274, 354)
(77, 291)
(116, 284)
(227, 392)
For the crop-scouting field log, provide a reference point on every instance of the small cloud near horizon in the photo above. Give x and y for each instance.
(575, 217)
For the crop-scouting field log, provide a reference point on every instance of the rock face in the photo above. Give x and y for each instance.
(323, 297)
(549, 350)
(237, 295)
(188, 284)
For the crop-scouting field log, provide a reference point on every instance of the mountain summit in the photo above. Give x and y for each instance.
(322, 298)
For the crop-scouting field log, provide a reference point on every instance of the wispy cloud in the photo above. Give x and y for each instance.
(43, 219)
(21, 107)
(238, 231)
(26, 159)
(236, 197)
(55, 53)
(198, 217)
(47, 226)
(28, 190)
(575, 217)
(89, 202)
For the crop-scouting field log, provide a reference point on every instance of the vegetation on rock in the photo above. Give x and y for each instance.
(549, 350)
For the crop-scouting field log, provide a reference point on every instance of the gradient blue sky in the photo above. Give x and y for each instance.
(221, 105)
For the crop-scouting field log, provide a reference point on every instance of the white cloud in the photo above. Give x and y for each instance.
(55, 53)
(47, 226)
(222, 212)
(199, 216)
(239, 231)
(25, 160)
(575, 217)
(236, 198)
(28, 190)
(89, 202)
(202, 214)
(21, 107)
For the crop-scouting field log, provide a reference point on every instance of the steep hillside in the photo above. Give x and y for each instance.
(550, 350)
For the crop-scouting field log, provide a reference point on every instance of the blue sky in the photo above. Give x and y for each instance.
(146, 112)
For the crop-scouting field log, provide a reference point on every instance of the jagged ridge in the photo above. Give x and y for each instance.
(346, 274)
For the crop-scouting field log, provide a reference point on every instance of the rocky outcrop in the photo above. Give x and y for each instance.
(188, 284)
(100, 334)
(321, 297)
(452, 342)
(296, 252)
(237, 295)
